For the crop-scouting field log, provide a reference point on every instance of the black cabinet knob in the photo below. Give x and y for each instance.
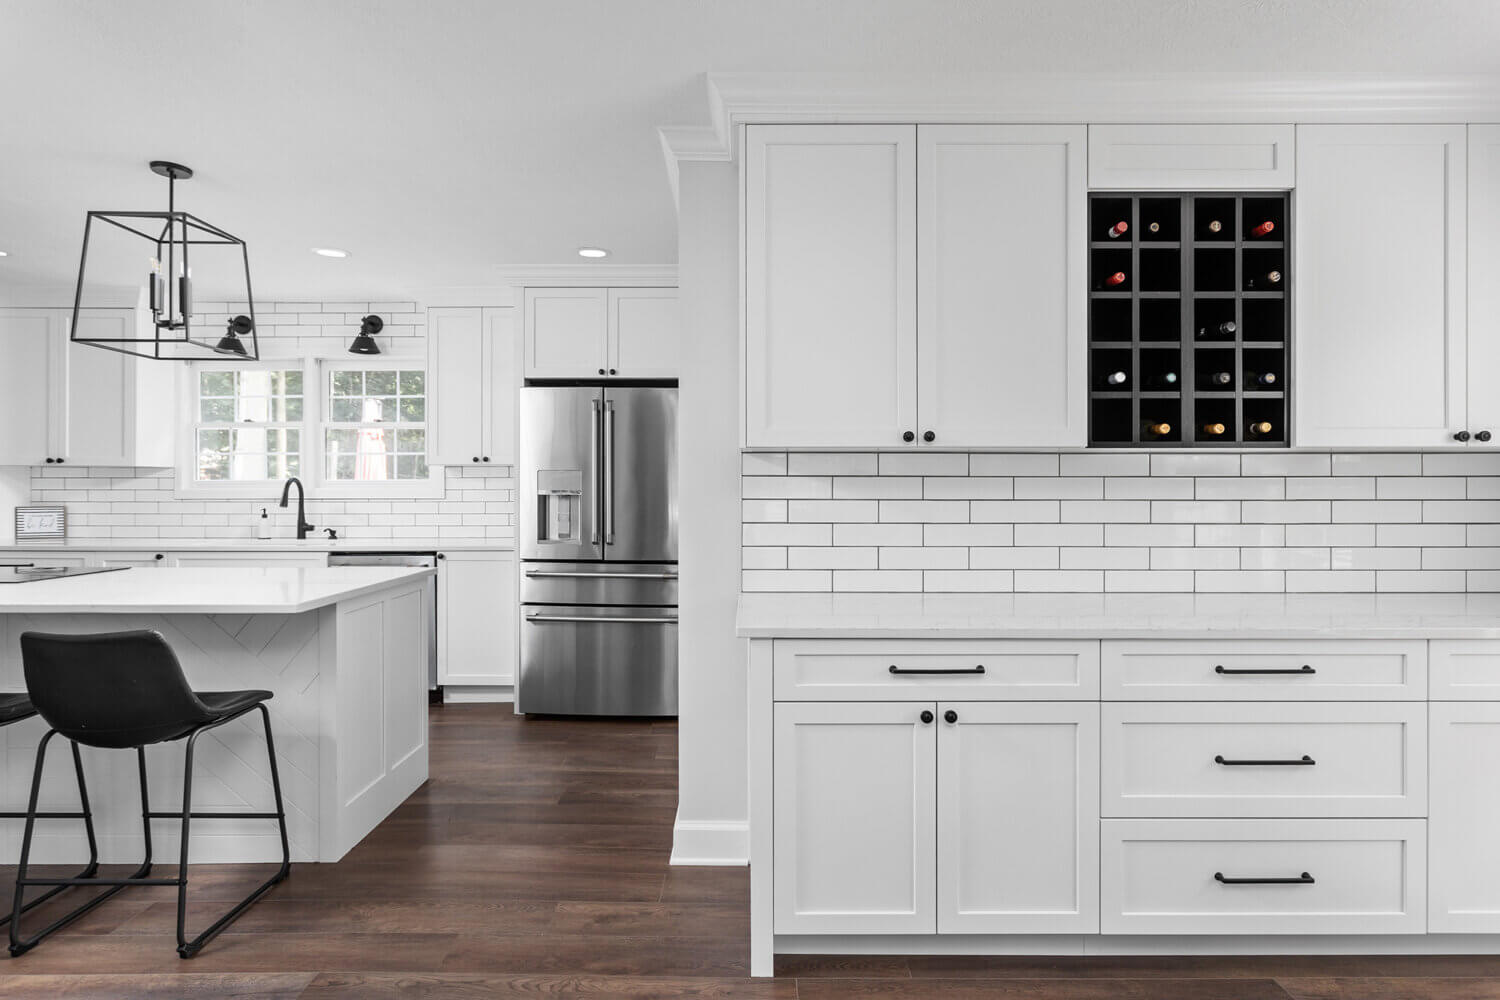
(59, 461)
(1461, 436)
(601, 371)
(1482, 436)
(950, 716)
(613, 372)
(50, 461)
(486, 458)
(441, 556)
(926, 717)
(476, 458)
(160, 556)
(908, 437)
(929, 437)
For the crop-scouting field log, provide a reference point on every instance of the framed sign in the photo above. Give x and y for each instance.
(34, 523)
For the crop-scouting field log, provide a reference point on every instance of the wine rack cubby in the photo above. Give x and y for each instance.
(1189, 326)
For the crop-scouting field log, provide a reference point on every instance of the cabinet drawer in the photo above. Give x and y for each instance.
(1361, 759)
(1465, 670)
(1191, 157)
(1264, 670)
(935, 669)
(1364, 876)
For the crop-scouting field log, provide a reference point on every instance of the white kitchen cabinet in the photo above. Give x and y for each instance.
(588, 333)
(1381, 337)
(248, 557)
(1464, 825)
(1484, 288)
(476, 605)
(855, 818)
(1192, 157)
(1018, 818)
(144, 559)
(830, 285)
(1001, 338)
(471, 386)
(67, 402)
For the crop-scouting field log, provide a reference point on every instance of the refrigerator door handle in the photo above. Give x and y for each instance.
(609, 472)
(572, 574)
(594, 467)
(632, 620)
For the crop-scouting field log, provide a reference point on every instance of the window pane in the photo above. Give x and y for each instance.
(346, 383)
(379, 383)
(411, 441)
(413, 383)
(216, 411)
(412, 410)
(216, 383)
(344, 411)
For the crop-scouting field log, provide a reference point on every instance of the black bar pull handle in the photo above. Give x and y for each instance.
(937, 670)
(1304, 669)
(1300, 762)
(1303, 879)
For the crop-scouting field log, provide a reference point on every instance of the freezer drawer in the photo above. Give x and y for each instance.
(591, 660)
(599, 583)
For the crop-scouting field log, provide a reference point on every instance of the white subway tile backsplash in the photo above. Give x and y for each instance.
(1084, 523)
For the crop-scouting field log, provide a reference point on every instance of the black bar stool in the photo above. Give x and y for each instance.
(126, 690)
(18, 708)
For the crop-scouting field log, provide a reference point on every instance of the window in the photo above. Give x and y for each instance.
(375, 426)
(248, 425)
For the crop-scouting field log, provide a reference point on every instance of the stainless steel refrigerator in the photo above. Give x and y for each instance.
(598, 497)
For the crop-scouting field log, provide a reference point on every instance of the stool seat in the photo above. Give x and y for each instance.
(226, 703)
(14, 708)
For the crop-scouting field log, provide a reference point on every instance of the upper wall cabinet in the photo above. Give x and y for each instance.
(1001, 297)
(1484, 288)
(1191, 157)
(849, 227)
(65, 402)
(471, 383)
(1381, 337)
(574, 333)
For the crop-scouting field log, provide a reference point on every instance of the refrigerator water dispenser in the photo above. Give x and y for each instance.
(559, 504)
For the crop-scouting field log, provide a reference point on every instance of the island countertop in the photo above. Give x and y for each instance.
(202, 590)
(1119, 616)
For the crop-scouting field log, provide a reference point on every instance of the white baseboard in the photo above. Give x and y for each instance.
(473, 693)
(1157, 944)
(710, 842)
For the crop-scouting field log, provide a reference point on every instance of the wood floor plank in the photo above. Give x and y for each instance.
(600, 955)
(1138, 966)
(280, 986)
(1392, 989)
(1043, 989)
(475, 987)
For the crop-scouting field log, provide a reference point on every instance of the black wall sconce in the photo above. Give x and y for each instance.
(364, 341)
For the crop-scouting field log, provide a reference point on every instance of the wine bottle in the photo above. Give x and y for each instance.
(1158, 428)
(1215, 226)
(1116, 378)
(1260, 428)
(1154, 227)
(1224, 329)
(1271, 279)
(1261, 378)
(1213, 430)
(1118, 229)
(1220, 378)
(1163, 380)
(1263, 229)
(1118, 278)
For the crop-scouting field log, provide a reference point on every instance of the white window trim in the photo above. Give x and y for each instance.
(315, 366)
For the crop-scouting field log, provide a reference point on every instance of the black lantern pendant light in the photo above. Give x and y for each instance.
(168, 293)
(364, 341)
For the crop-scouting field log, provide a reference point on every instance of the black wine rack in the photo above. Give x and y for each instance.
(1191, 288)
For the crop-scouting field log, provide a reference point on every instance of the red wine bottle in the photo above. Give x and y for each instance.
(1112, 280)
(1224, 329)
(1118, 229)
(1265, 228)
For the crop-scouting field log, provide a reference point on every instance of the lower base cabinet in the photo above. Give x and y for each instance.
(936, 817)
(476, 598)
(1465, 818)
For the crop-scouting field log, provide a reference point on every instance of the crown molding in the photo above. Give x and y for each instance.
(591, 275)
(752, 98)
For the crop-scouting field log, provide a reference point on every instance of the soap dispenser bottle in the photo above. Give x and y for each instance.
(263, 525)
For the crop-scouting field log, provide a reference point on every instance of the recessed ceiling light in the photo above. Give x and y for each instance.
(593, 253)
(330, 252)
(4, 254)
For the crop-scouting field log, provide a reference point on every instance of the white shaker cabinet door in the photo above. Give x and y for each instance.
(502, 359)
(1464, 823)
(477, 618)
(1001, 245)
(830, 285)
(1018, 818)
(99, 425)
(567, 332)
(854, 817)
(31, 384)
(455, 385)
(1380, 275)
(1484, 285)
(644, 333)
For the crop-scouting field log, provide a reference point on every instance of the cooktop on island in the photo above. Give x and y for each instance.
(30, 574)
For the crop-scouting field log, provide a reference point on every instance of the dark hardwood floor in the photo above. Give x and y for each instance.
(534, 864)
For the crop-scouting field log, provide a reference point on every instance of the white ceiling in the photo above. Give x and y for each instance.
(441, 140)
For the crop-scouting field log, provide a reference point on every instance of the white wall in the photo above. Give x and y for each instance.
(712, 825)
(15, 488)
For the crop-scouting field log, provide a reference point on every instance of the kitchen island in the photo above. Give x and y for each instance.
(1123, 773)
(344, 651)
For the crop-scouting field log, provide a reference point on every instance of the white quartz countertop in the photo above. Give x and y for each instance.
(213, 591)
(1136, 616)
(319, 544)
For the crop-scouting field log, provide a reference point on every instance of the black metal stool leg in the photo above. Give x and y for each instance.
(88, 825)
(185, 948)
